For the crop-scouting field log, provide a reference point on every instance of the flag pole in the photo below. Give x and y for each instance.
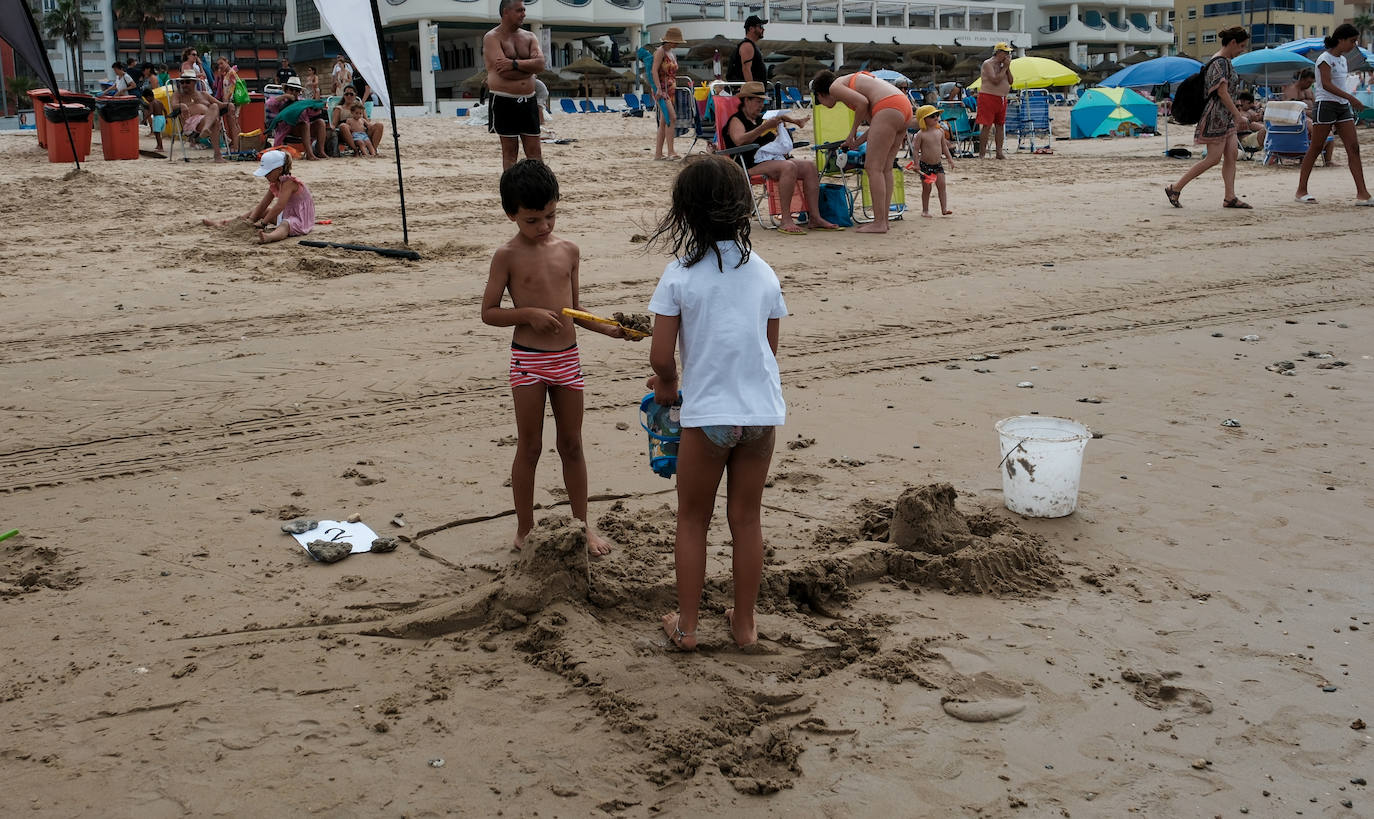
(395, 135)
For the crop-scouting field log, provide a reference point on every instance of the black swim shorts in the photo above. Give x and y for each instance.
(1331, 112)
(513, 116)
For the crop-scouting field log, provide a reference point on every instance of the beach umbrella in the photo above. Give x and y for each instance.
(475, 81)
(1259, 64)
(1159, 71)
(806, 50)
(872, 53)
(1135, 58)
(930, 56)
(887, 75)
(1035, 72)
(588, 67)
(1312, 47)
(1102, 110)
(706, 49)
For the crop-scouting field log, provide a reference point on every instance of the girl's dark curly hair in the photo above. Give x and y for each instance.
(712, 202)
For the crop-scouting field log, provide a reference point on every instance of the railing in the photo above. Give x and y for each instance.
(627, 4)
(575, 3)
(1165, 27)
(1098, 26)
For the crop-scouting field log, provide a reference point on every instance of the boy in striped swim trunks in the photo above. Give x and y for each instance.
(540, 272)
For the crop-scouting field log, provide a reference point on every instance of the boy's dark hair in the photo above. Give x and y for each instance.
(820, 84)
(146, 93)
(712, 202)
(528, 184)
(1245, 96)
(1343, 32)
(1306, 74)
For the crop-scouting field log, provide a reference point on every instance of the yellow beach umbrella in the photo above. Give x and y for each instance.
(1035, 72)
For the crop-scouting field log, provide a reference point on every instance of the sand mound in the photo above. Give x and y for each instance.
(26, 567)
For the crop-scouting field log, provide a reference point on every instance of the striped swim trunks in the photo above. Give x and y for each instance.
(554, 368)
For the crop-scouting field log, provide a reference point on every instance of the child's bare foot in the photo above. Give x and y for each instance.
(596, 544)
(519, 540)
(871, 227)
(262, 237)
(746, 634)
(946, 212)
(684, 640)
(926, 214)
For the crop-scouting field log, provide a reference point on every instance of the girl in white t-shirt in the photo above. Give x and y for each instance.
(722, 305)
(1336, 108)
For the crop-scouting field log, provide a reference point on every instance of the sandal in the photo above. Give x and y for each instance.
(1173, 196)
(1234, 202)
(792, 231)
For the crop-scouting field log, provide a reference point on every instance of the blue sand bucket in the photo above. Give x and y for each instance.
(665, 431)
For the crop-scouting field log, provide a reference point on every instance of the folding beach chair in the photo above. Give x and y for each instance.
(794, 96)
(1285, 141)
(765, 189)
(703, 123)
(587, 107)
(1033, 115)
(632, 103)
(846, 168)
(961, 129)
(647, 101)
(568, 106)
(174, 128)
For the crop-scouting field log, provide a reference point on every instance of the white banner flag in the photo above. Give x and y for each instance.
(352, 24)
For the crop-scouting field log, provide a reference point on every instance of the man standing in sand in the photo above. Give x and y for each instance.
(992, 99)
(512, 58)
(746, 64)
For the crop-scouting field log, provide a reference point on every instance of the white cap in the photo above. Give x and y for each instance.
(270, 162)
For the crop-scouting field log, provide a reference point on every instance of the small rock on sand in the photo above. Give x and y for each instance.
(328, 551)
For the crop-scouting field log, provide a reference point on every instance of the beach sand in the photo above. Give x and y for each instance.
(1193, 641)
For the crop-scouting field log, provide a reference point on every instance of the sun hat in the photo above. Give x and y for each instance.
(294, 82)
(270, 162)
(674, 36)
(751, 89)
(923, 113)
(1002, 47)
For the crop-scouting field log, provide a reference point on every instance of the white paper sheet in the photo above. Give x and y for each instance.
(359, 534)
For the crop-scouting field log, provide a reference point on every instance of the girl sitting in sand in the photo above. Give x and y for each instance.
(725, 304)
(293, 211)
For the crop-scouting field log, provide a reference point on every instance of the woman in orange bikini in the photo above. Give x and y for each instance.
(887, 111)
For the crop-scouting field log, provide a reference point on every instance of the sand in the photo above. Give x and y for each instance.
(1193, 641)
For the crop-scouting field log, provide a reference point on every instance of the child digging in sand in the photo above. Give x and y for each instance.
(722, 304)
(540, 271)
(932, 150)
(293, 211)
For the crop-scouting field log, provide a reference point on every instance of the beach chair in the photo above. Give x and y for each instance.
(703, 123)
(1033, 120)
(1283, 141)
(794, 96)
(962, 131)
(846, 168)
(568, 106)
(766, 201)
(647, 101)
(587, 107)
(632, 103)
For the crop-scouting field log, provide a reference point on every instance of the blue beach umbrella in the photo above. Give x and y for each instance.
(893, 77)
(1159, 71)
(1261, 64)
(1102, 110)
(1312, 47)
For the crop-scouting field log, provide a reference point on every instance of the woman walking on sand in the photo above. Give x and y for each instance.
(1336, 108)
(1221, 120)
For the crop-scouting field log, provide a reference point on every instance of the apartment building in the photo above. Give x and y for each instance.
(248, 32)
(1270, 22)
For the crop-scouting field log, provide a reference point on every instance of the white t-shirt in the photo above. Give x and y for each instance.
(729, 373)
(1338, 74)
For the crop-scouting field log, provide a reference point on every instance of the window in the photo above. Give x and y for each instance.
(307, 17)
(1171, 15)
(1192, 12)
(1192, 38)
(49, 5)
(1209, 36)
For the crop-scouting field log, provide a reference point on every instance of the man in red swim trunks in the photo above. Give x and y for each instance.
(992, 99)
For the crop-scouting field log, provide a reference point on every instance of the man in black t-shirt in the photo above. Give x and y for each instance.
(286, 72)
(746, 64)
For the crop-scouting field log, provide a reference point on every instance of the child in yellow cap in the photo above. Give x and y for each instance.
(932, 151)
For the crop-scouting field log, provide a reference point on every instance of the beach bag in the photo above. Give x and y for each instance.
(240, 96)
(834, 205)
(1190, 97)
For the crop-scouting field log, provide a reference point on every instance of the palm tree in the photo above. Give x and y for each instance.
(66, 22)
(1363, 23)
(142, 13)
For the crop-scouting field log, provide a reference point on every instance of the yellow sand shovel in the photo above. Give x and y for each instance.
(585, 316)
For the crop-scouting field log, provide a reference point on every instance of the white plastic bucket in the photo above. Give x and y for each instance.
(1042, 461)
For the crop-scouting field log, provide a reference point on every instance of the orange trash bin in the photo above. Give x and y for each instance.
(60, 118)
(40, 97)
(253, 114)
(119, 127)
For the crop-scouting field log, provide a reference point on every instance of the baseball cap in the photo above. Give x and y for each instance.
(754, 20)
(1002, 47)
(270, 162)
(923, 112)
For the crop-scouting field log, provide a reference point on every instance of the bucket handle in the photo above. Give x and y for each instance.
(1012, 450)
